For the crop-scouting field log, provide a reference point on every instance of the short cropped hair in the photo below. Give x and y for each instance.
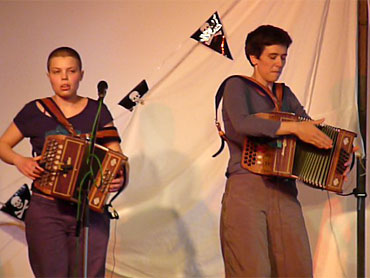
(265, 35)
(64, 51)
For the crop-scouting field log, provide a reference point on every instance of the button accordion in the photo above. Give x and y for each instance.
(289, 157)
(64, 160)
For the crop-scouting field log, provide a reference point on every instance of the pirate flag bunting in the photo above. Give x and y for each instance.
(211, 34)
(18, 204)
(134, 96)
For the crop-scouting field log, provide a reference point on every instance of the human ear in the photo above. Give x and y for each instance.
(254, 60)
(82, 75)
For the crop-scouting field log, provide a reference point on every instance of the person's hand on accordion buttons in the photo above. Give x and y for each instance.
(29, 167)
(309, 133)
(349, 163)
(117, 182)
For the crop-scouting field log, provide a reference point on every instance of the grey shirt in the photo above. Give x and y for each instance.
(240, 102)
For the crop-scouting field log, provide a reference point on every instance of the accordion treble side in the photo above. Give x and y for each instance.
(64, 160)
(289, 157)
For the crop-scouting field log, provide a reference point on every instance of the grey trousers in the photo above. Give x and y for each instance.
(53, 248)
(262, 229)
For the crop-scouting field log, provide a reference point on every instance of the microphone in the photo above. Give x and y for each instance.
(102, 89)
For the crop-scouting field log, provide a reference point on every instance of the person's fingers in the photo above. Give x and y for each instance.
(321, 140)
(317, 122)
(37, 158)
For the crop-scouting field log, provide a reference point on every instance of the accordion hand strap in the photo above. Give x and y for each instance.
(109, 131)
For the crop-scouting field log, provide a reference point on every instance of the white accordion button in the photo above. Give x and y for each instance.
(345, 141)
(335, 182)
(96, 200)
(113, 162)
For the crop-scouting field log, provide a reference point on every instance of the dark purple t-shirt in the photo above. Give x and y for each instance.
(35, 125)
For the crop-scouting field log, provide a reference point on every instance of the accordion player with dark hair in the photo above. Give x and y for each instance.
(262, 228)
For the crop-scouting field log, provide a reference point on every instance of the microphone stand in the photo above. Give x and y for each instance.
(88, 181)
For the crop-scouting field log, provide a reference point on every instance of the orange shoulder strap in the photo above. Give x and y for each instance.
(53, 109)
(260, 89)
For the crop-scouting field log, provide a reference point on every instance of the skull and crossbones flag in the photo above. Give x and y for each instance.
(18, 204)
(211, 34)
(134, 96)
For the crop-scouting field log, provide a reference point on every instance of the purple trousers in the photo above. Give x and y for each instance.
(263, 233)
(53, 248)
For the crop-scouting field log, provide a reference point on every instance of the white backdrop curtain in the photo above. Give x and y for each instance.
(169, 214)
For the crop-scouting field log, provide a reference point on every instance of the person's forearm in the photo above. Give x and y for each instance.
(7, 154)
(115, 146)
(287, 128)
(307, 132)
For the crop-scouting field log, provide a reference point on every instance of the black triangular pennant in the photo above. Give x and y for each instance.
(211, 34)
(18, 204)
(134, 96)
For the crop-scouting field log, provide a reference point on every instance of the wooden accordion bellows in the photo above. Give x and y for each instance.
(289, 157)
(64, 160)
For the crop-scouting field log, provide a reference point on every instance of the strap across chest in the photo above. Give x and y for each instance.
(52, 108)
(277, 99)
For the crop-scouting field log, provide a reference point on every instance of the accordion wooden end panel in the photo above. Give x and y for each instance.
(64, 160)
(289, 157)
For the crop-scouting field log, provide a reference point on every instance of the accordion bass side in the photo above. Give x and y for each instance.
(289, 157)
(64, 160)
